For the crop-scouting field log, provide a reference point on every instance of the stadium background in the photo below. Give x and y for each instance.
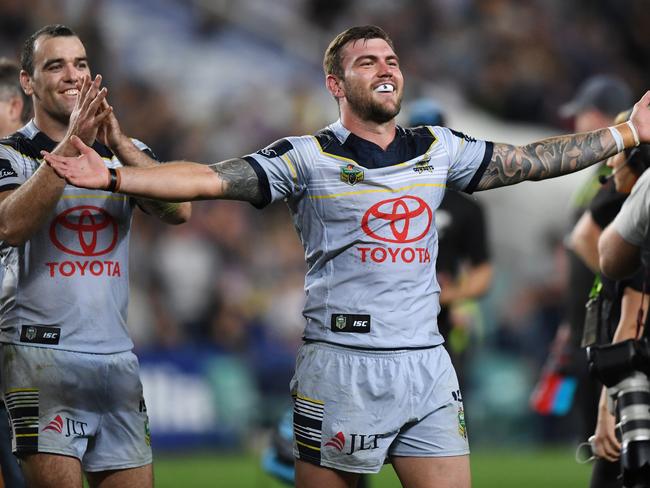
(215, 304)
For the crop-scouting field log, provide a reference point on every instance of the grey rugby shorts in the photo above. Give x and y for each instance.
(89, 406)
(354, 409)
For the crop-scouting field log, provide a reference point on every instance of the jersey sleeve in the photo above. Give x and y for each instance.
(280, 169)
(468, 158)
(145, 149)
(12, 168)
(633, 221)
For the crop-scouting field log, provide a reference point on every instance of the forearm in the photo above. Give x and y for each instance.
(24, 210)
(584, 241)
(472, 284)
(546, 158)
(169, 212)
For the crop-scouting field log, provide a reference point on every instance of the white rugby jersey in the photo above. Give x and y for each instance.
(365, 218)
(67, 287)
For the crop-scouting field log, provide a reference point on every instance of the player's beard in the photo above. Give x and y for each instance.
(367, 108)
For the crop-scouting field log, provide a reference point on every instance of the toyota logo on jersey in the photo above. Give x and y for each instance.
(84, 231)
(400, 220)
(89, 232)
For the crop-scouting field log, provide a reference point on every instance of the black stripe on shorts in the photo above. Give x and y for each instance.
(307, 427)
(22, 405)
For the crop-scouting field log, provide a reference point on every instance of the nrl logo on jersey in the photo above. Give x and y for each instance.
(351, 174)
(423, 165)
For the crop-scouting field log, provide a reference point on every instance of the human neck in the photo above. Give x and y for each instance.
(380, 134)
(52, 128)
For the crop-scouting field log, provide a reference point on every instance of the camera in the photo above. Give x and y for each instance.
(624, 368)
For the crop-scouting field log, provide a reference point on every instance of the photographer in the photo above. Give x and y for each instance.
(623, 251)
(619, 304)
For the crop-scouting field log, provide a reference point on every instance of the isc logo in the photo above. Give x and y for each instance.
(50, 335)
(360, 323)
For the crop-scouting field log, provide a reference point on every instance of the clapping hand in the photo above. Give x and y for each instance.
(86, 170)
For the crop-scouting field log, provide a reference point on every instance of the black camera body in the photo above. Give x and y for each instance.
(624, 368)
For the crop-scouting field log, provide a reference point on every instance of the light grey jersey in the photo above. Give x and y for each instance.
(366, 221)
(67, 287)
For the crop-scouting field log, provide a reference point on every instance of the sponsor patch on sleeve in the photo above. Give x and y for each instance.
(277, 149)
(7, 170)
(345, 322)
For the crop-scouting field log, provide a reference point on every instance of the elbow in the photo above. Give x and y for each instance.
(12, 236)
(182, 214)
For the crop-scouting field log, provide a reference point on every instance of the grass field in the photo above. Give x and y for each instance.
(490, 469)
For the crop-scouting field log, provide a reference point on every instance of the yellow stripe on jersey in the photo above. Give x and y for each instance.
(292, 168)
(342, 158)
(377, 190)
(106, 197)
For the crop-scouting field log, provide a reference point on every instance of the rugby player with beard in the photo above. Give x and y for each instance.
(372, 380)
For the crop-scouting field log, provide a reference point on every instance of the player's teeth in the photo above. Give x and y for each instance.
(385, 88)
(72, 92)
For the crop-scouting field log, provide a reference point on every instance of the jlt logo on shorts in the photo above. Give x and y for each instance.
(72, 427)
(358, 442)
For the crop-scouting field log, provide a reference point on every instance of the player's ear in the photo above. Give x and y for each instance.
(26, 83)
(335, 86)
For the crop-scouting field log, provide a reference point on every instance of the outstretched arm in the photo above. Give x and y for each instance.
(111, 135)
(557, 156)
(179, 181)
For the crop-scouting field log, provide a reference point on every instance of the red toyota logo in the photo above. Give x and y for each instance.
(93, 228)
(409, 219)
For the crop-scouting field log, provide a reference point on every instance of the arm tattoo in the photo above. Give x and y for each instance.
(547, 158)
(239, 181)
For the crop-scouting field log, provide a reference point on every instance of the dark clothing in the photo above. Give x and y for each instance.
(462, 239)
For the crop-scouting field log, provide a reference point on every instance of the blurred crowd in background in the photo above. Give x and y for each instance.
(205, 80)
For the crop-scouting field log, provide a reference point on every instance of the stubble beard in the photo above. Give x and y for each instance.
(369, 109)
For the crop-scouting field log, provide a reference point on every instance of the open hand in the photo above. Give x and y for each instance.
(86, 170)
(90, 110)
(110, 133)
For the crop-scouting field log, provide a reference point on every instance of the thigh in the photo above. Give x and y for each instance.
(433, 472)
(51, 471)
(122, 441)
(309, 475)
(140, 477)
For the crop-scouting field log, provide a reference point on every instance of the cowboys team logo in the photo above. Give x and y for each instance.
(340, 322)
(423, 165)
(351, 174)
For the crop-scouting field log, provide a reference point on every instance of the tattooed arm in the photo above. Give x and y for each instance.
(559, 155)
(181, 181)
(547, 158)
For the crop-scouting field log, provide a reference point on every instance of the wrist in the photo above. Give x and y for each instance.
(119, 145)
(625, 135)
(114, 180)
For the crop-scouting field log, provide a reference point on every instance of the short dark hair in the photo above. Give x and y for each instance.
(52, 30)
(10, 85)
(332, 60)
